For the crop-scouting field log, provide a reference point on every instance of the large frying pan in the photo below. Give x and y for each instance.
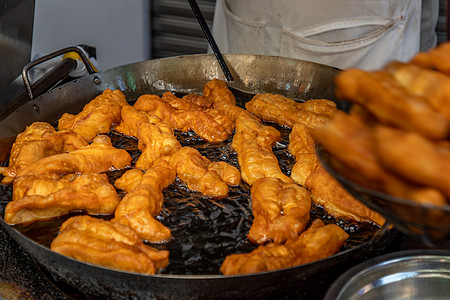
(252, 73)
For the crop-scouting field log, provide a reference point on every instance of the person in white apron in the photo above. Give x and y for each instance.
(342, 33)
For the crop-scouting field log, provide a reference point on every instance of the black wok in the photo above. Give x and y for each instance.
(252, 73)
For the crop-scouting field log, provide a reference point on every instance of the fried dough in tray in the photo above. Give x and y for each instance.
(192, 218)
(398, 129)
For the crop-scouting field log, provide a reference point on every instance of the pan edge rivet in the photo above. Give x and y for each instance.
(96, 80)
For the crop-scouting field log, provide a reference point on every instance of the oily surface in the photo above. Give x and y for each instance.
(204, 231)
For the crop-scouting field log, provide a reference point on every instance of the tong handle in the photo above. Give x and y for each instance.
(201, 20)
(26, 69)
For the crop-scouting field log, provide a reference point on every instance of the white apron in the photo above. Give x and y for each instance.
(341, 33)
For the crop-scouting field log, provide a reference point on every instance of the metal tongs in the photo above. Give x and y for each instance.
(198, 14)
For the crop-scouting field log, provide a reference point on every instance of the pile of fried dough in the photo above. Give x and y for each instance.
(395, 138)
(57, 171)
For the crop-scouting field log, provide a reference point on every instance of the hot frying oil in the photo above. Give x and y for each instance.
(204, 230)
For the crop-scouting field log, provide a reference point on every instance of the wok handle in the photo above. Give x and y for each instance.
(57, 73)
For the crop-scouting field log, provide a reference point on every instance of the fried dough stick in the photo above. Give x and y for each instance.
(132, 119)
(202, 175)
(253, 143)
(302, 147)
(97, 116)
(433, 86)
(199, 100)
(155, 141)
(190, 101)
(414, 158)
(37, 198)
(224, 100)
(37, 141)
(435, 59)
(144, 201)
(109, 244)
(391, 103)
(281, 210)
(209, 124)
(98, 157)
(156, 138)
(287, 112)
(129, 180)
(328, 193)
(317, 242)
(351, 143)
(229, 174)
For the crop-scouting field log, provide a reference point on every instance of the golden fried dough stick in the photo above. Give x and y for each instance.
(39, 198)
(144, 202)
(317, 242)
(31, 185)
(108, 244)
(162, 174)
(155, 141)
(129, 180)
(192, 168)
(323, 107)
(433, 86)
(156, 138)
(132, 118)
(413, 157)
(351, 143)
(217, 90)
(97, 116)
(393, 185)
(209, 124)
(66, 140)
(199, 100)
(328, 193)
(30, 146)
(189, 102)
(178, 103)
(98, 157)
(302, 147)
(287, 112)
(223, 99)
(362, 115)
(37, 141)
(281, 210)
(229, 174)
(253, 143)
(436, 59)
(391, 103)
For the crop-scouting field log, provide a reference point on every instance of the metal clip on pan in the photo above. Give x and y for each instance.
(198, 14)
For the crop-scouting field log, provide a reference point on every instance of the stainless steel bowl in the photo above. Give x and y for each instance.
(413, 274)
